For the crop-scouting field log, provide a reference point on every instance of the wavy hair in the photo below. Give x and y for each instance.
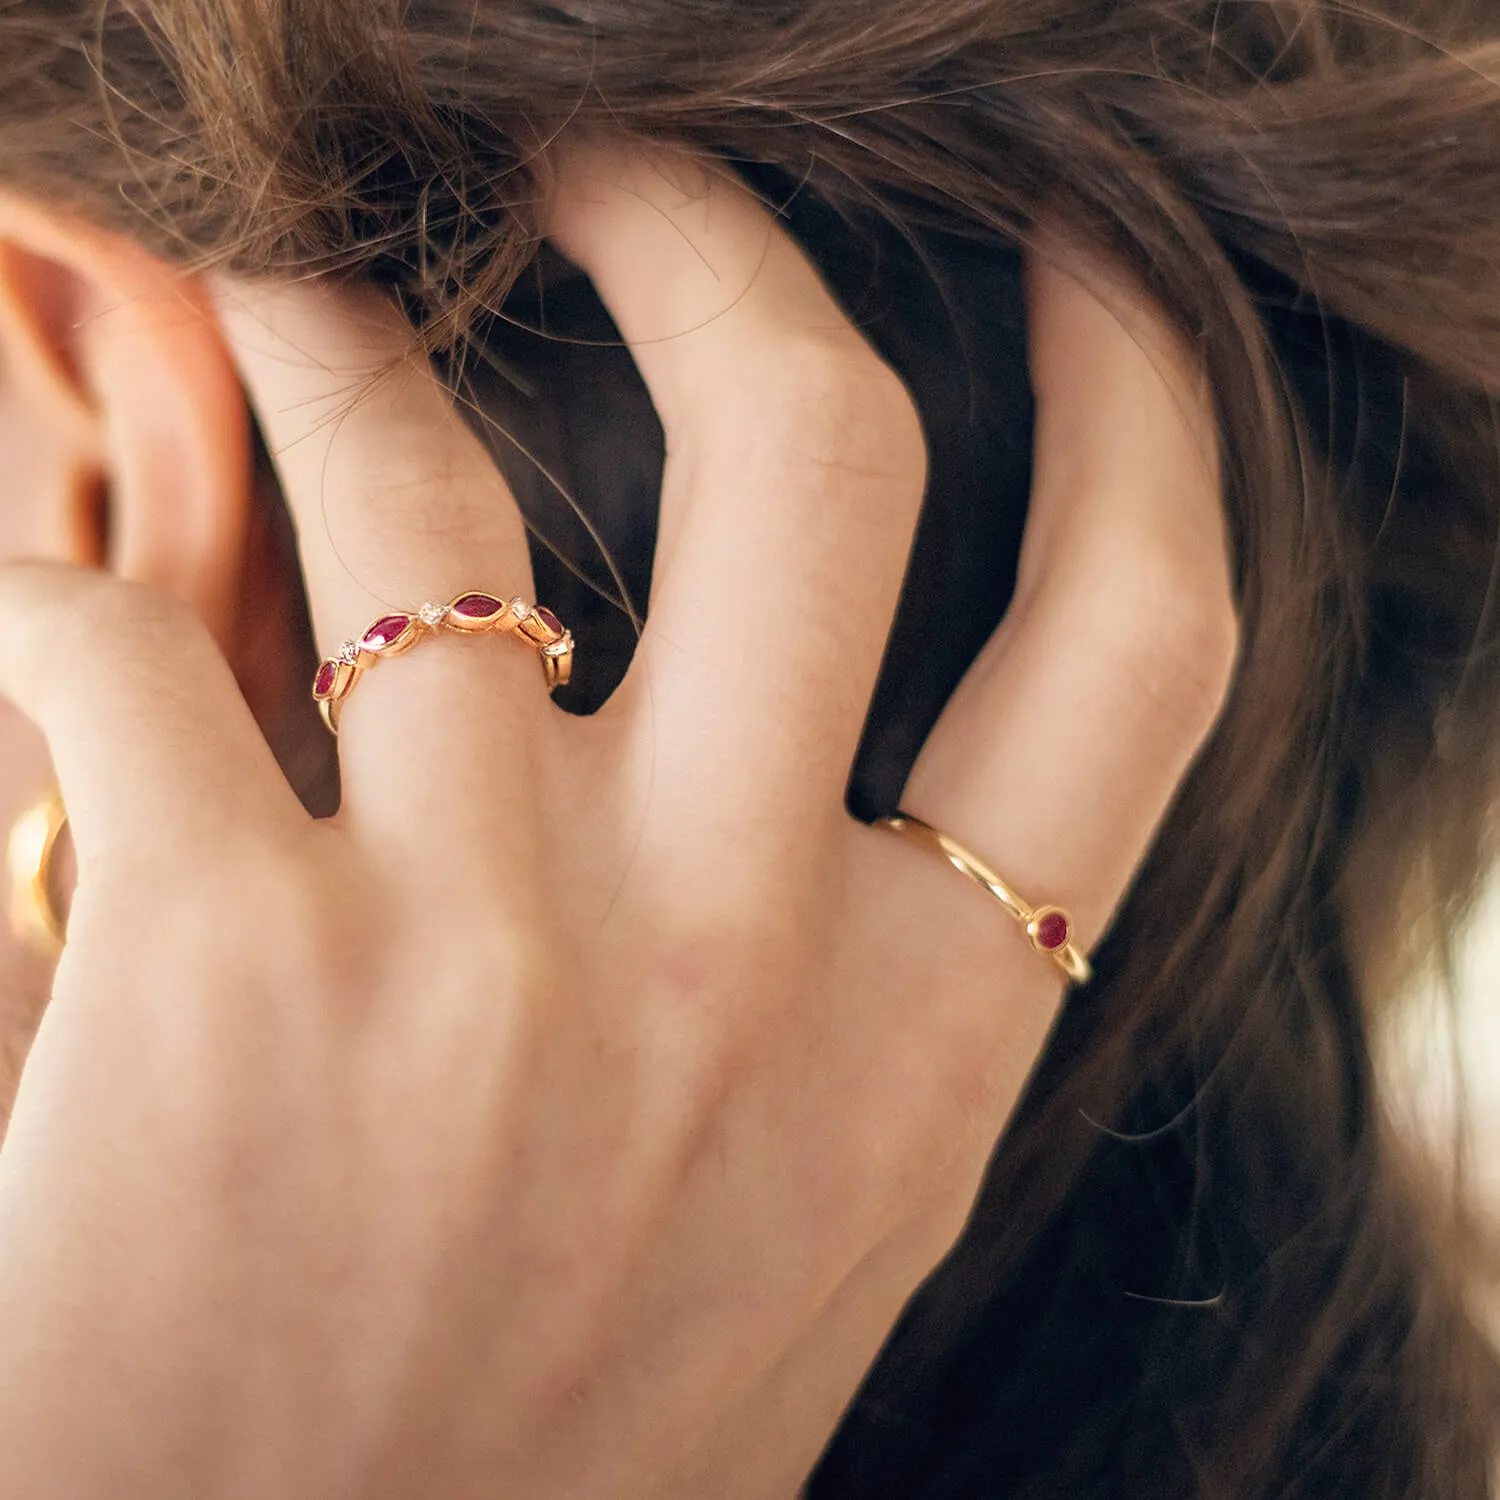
(1202, 1264)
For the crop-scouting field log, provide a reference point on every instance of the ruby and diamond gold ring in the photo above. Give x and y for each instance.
(472, 613)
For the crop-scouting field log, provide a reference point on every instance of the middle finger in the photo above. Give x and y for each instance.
(794, 474)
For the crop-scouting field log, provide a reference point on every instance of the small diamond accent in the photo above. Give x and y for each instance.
(432, 614)
(349, 652)
(520, 608)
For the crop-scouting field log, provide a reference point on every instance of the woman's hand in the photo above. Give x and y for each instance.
(572, 1114)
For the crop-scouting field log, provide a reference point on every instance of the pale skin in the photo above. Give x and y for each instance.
(573, 1112)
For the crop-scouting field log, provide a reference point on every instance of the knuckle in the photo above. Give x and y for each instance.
(127, 641)
(1183, 661)
(141, 622)
(1203, 644)
(732, 945)
(842, 400)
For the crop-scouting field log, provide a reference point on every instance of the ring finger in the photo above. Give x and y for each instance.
(795, 470)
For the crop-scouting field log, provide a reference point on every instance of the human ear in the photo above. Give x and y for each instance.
(126, 442)
(124, 434)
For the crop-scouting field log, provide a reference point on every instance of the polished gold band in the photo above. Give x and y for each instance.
(28, 857)
(472, 613)
(1049, 929)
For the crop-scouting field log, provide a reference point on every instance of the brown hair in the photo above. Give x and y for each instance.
(1198, 1267)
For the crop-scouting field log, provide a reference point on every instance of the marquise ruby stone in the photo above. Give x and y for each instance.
(323, 682)
(383, 632)
(477, 606)
(548, 619)
(1052, 931)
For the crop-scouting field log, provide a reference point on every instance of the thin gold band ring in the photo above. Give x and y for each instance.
(1049, 929)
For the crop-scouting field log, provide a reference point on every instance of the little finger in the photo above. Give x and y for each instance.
(1064, 744)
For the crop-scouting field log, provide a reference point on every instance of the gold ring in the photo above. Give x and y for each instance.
(1049, 929)
(28, 857)
(472, 613)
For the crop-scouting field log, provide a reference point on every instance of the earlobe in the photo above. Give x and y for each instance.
(127, 435)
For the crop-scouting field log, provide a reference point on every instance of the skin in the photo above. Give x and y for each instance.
(574, 1111)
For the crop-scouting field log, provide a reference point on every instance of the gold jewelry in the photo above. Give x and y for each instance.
(470, 614)
(28, 857)
(1048, 928)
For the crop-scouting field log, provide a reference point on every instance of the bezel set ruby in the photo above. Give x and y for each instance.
(476, 611)
(391, 634)
(473, 612)
(1050, 929)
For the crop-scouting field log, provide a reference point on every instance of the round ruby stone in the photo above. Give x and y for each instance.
(1052, 930)
(323, 682)
(383, 632)
(548, 619)
(477, 606)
